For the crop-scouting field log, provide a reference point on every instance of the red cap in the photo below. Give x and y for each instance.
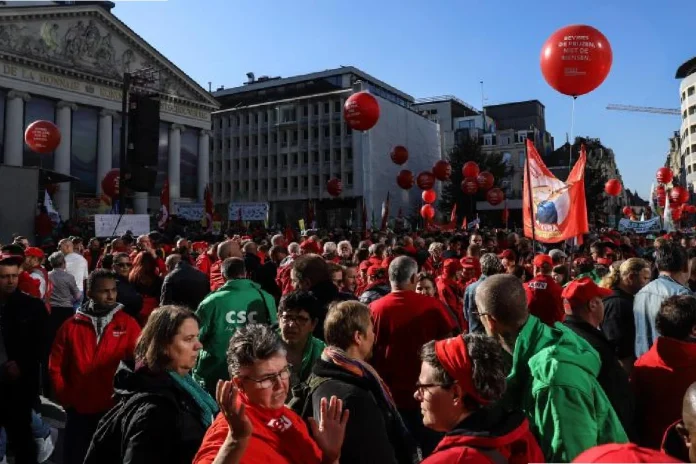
(454, 357)
(374, 271)
(604, 261)
(451, 265)
(468, 262)
(34, 252)
(310, 246)
(627, 452)
(540, 260)
(508, 254)
(583, 290)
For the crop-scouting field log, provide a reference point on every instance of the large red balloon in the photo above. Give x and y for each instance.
(361, 111)
(427, 212)
(429, 196)
(679, 195)
(612, 187)
(405, 179)
(627, 210)
(661, 195)
(110, 183)
(495, 196)
(485, 180)
(469, 185)
(470, 169)
(442, 170)
(425, 180)
(576, 59)
(399, 154)
(664, 175)
(677, 213)
(334, 187)
(42, 136)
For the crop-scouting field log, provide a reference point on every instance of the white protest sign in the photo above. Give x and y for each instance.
(189, 211)
(108, 225)
(640, 227)
(249, 211)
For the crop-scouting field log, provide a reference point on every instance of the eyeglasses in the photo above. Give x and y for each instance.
(480, 313)
(422, 387)
(270, 380)
(300, 320)
(123, 264)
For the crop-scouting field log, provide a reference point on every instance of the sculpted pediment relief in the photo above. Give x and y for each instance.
(86, 43)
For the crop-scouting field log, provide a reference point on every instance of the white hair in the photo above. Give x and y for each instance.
(345, 244)
(277, 239)
(330, 247)
(294, 248)
(401, 270)
(435, 246)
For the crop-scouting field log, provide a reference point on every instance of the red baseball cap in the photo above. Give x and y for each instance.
(469, 262)
(540, 260)
(374, 271)
(627, 452)
(583, 290)
(508, 254)
(35, 252)
(452, 265)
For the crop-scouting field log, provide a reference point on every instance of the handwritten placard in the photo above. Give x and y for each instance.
(108, 225)
(248, 211)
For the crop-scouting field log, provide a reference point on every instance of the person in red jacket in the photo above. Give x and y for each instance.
(661, 376)
(451, 292)
(227, 249)
(86, 352)
(461, 380)
(544, 298)
(206, 259)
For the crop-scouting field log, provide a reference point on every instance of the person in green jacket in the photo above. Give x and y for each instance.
(553, 377)
(237, 303)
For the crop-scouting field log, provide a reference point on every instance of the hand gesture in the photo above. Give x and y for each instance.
(237, 420)
(331, 429)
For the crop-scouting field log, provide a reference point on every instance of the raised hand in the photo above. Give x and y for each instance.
(235, 414)
(331, 429)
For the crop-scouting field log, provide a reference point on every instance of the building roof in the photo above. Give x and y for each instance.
(447, 98)
(686, 69)
(276, 82)
(515, 103)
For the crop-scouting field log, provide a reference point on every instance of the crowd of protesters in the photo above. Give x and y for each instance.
(438, 348)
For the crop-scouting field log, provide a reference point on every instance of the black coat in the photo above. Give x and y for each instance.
(24, 325)
(612, 377)
(374, 433)
(129, 297)
(154, 421)
(186, 286)
(326, 293)
(619, 326)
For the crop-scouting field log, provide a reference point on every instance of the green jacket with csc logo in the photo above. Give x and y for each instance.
(235, 304)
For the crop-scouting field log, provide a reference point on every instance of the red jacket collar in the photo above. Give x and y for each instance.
(675, 352)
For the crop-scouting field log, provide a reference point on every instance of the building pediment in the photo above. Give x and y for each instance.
(90, 41)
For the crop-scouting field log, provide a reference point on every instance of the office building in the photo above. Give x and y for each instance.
(447, 111)
(687, 91)
(279, 140)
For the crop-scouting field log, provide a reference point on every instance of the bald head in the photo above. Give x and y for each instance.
(689, 407)
(503, 297)
(229, 249)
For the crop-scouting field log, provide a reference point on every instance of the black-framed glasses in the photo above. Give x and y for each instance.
(480, 313)
(421, 388)
(270, 380)
(123, 264)
(300, 320)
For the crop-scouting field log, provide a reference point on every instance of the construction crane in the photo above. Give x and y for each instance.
(644, 109)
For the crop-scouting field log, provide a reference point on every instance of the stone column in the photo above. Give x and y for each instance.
(105, 147)
(174, 163)
(140, 202)
(62, 155)
(203, 164)
(14, 128)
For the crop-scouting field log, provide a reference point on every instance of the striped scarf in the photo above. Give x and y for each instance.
(359, 368)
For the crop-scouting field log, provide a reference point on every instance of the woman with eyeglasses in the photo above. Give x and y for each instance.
(461, 380)
(162, 414)
(128, 295)
(255, 427)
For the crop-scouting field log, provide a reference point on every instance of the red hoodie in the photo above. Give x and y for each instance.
(451, 294)
(216, 279)
(203, 263)
(488, 436)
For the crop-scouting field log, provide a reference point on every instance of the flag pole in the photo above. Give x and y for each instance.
(530, 136)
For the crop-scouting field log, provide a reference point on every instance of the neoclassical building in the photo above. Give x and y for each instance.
(64, 63)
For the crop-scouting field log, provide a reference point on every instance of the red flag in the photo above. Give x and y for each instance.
(385, 212)
(557, 209)
(164, 204)
(464, 223)
(289, 235)
(453, 216)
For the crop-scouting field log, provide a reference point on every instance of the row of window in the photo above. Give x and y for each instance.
(495, 139)
(285, 137)
(690, 111)
(270, 185)
(688, 92)
(285, 114)
(282, 160)
(691, 149)
(691, 129)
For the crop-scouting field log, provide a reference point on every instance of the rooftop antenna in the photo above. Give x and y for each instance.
(210, 87)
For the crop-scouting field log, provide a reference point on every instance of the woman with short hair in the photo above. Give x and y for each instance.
(162, 414)
(425, 284)
(255, 427)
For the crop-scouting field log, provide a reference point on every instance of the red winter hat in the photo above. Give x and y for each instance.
(310, 246)
(540, 260)
(469, 262)
(508, 254)
(35, 252)
(627, 452)
(583, 290)
(451, 265)
(454, 357)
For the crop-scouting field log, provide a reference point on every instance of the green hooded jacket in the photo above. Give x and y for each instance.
(234, 305)
(554, 381)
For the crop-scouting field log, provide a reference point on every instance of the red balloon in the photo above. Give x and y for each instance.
(612, 187)
(485, 180)
(677, 213)
(361, 111)
(425, 180)
(427, 212)
(110, 183)
(679, 195)
(661, 195)
(664, 175)
(399, 154)
(442, 170)
(470, 169)
(627, 210)
(576, 59)
(42, 137)
(334, 187)
(405, 179)
(429, 196)
(495, 196)
(469, 185)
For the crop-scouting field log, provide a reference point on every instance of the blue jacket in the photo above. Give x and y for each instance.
(646, 305)
(470, 306)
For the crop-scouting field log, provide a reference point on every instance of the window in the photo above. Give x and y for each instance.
(256, 118)
(327, 156)
(254, 163)
(521, 157)
(284, 183)
(692, 109)
(254, 185)
(316, 109)
(274, 183)
(690, 91)
(83, 162)
(305, 110)
(236, 165)
(305, 182)
(337, 155)
(265, 116)
(305, 134)
(294, 136)
(349, 154)
(327, 107)
(683, 96)
(315, 157)
(255, 140)
(315, 181)
(248, 118)
(265, 161)
(337, 106)
(349, 178)
(693, 148)
(315, 133)
(305, 157)
(265, 139)
(235, 186)
(688, 169)
(684, 115)
(246, 163)
(285, 160)
(326, 131)
(294, 182)
(294, 159)
(337, 129)
(246, 141)
(227, 166)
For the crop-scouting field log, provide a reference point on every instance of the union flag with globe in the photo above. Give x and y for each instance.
(558, 208)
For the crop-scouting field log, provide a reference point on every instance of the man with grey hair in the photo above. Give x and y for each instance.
(65, 294)
(330, 251)
(490, 265)
(403, 322)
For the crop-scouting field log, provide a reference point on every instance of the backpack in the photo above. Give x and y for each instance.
(301, 396)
